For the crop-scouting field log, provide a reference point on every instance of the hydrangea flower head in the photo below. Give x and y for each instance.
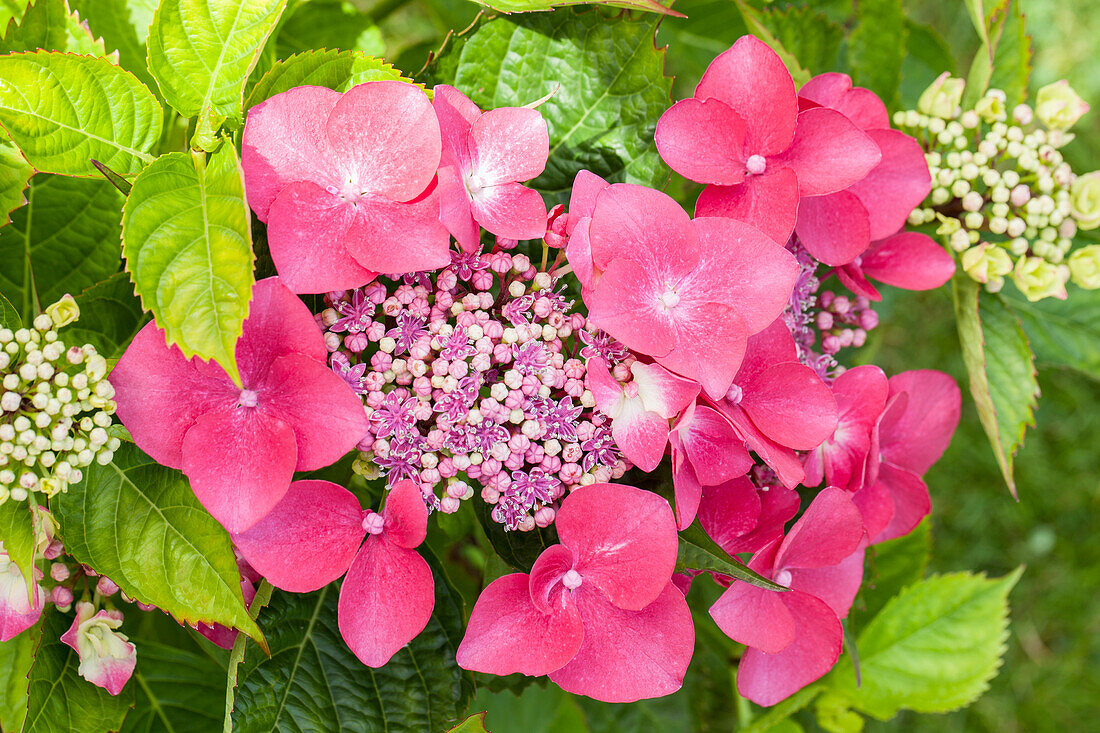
(107, 658)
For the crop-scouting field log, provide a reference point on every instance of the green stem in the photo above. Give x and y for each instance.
(263, 596)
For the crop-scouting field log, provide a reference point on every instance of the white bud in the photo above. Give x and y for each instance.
(10, 401)
(516, 289)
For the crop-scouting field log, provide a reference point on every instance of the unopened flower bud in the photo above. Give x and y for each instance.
(1037, 279)
(1084, 267)
(1084, 200)
(986, 261)
(1058, 107)
(63, 312)
(942, 98)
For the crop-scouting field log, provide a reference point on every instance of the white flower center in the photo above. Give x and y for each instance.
(669, 299)
(756, 164)
(572, 579)
(248, 398)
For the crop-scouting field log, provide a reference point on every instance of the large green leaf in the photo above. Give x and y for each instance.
(123, 26)
(518, 549)
(49, 25)
(529, 6)
(1063, 332)
(202, 51)
(339, 70)
(166, 550)
(177, 691)
(60, 700)
(9, 316)
(889, 567)
(757, 24)
(1001, 368)
(1012, 58)
(927, 55)
(110, 316)
(807, 34)
(876, 47)
(17, 536)
(607, 81)
(16, 657)
(932, 649)
(187, 239)
(15, 174)
(312, 681)
(331, 24)
(698, 551)
(64, 110)
(64, 240)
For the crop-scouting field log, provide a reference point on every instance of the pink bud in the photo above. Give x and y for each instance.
(544, 517)
(356, 342)
(61, 596)
(59, 571)
(373, 523)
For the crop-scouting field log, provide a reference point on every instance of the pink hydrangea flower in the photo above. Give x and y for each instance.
(742, 517)
(743, 135)
(316, 534)
(20, 607)
(908, 260)
(860, 399)
(485, 156)
(687, 293)
(706, 451)
(795, 637)
(241, 446)
(573, 226)
(641, 409)
(107, 658)
(598, 613)
(346, 183)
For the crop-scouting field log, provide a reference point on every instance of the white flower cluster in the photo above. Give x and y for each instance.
(55, 407)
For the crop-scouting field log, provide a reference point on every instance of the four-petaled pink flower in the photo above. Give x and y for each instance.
(687, 293)
(795, 637)
(107, 658)
(485, 156)
(316, 534)
(241, 446)
(346, 183)
(840, 460)
(742, 133)
(598, 613)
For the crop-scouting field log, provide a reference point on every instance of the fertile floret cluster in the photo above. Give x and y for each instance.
(55, 407)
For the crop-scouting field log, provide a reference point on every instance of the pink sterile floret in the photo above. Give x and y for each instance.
(908, 260)
(742, 133)
(598, 613)
(795, 637)
(316, 534)
(107, 658)
(240, 446)
(687, 293)
(346, 183)
(485, 156)
(706, 451)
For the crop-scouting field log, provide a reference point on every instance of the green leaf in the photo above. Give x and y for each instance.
(313, 682)
(11, 10)
(932, 649)
(784, 709)
(15, 174)
(177, 691)
(1063, 332)
(1001, 368)
(48, 25)
(64, 240)
(110, 316)
(606, 77)
(60, 700)
(64, 110)
(16, 657)
(17, 536)
(518, 549)
(473, 724)
(530, 6)
(758, 26)
(202, 51)
(123, 25)
(699, 552)
(9, 316)
(537, 709)
(168, 552)
(187, 239)
(927, 55)
(807, 34)
(330, 24)
(890, 567)
(876, 47)
(339, 70)
(1012, 58)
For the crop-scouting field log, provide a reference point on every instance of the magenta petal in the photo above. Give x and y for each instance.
(876, 507)
(507, 634)
(851, 276)
(829, 153)
(399, 237)
(834, 228)
(509, 144)
(630, 655)
(622, 304)
(752, 79)
(755, 617)
(778, 505)
(703, 140)
(284, 142)
(768, 202)
(911, 501)
(510, 210)
(712, 446)
(455, 113)
(829, 531)
(768, 347)
(642, 225)
(687, 491)
(710, 342)
(624, 541)
(861, 106)
(278, 323)
(790, 404)
(306, 233)
(909, 260)
(554, 562)
(308, 539)
(386, 599)
(729, 511)
(640, 434)
(781, 459)
(240, 462)
(837, 584)
(455, 212)
(661, 391)
(861, 396)
(406, 515)
(768, 678)
(894, 187)
(578, 252)
(604, 387)
(18, 612)
(917, 437)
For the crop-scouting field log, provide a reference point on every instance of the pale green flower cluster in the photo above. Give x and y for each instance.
(1003, 197)
(55, 407)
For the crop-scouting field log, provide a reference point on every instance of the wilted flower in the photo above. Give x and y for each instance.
(107, 658)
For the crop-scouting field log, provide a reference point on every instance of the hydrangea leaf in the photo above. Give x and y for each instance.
(123, 25)
(16, 657)
(890, 567)
(876, 47)
(1001, 367)
(699, 552)
(9, 316)
(932, 649)
(1063, 332)
(339, 70)
(169, 552)
(531, 6)
(773, 718)
(757, 25)
(12, 10)
(187, 239)
(473, 724)
(178, 690)
(202, 51)
(312, 681)
(807, 34)
(1012, 58)
(48, 25)
(64, 110)
(15, 174)
(606, 81)
(518, 549)
(60, 701)
(328, 24)
(17, 536)
(927, 55)
(64, 240)
(110, 316)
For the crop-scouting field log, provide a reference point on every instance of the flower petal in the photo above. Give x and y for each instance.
(755, 617)
(714, 449)
(605, 388)
(554, 562)
(661, 391)
(19, 610)
(917, 437)
(454, 210)
(912, 502)
(827, 532)
(710, 341)
(781, 459)
(894, 187)
(509, 144)
(768, 202)
(834, 228)
(645, 226)
(399, 237)
(623, 304)
(511, 210)
(852, 277)
(687, 491)
(278, 323)
(582, 198)
(790, 404)
(771, 346)
(861, 106)
(640, 434)
(837, 584)
(909, 260)
(703, 140)
(455, 113)
(829, 153)
(729, 511)
(406, 515)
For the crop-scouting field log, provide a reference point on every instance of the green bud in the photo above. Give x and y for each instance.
(942, 97)
(1058, 107)
(1084, 267)
(986, 262)
(1084, 200)
(1037, 279)
(64, 311)
(991, 107)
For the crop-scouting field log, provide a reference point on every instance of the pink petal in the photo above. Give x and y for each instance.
(778, 505)
(308, 539)
(406, 515)
(703, 140)
(829, 153)
(912, 502)
(710, 342)
(687, 491)
(729, 511)
(284, 142)
(916, 438)
(159, 394)
(753, 80)
(385, 600)
(768, 202)
(306, 233)
(240, 462)
(511, 210)
(554, 562)
(640, 434)
(326, 415)
(781, 459)
(876, 507)
(630, 655)
(455, 113)
(586, 188)
(399, 237)
(645, 226)
(829, 531)
(578, 252)
(712, 446)
(386, 139)
(790, 404)
(455, 212)
(852, 277)
(768, 678)
(837, 584)
(909, 260)
(509, 144)
(623, 304)
(861, 396)
(771, 346)
(861, 106)
(278, 323)
(661, 391)
(604, 387)
(834, 228)
(507, 634)
(897, 185)
(624, 541)
(19, 610)
(755, 617)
